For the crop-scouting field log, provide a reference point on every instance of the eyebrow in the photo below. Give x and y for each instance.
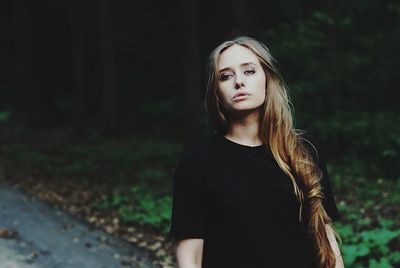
(241, 65)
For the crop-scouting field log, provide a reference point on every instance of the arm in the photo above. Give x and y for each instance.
(189, 253)
(335, 247)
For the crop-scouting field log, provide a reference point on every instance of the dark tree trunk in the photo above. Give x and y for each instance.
(24, 76)
(245, 17)
(109, 83)
(191, 71)
(34, 72)
(79, 85)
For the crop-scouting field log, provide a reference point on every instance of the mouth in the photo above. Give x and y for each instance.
(240, 96)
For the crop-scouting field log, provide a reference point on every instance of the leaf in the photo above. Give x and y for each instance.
(395, 257)
(346, 231)
(7, 233)
(349, 254)
(386, 223)
(119, 199)
(373, 264)
(379, 236)
(363, 250)
(383, 263)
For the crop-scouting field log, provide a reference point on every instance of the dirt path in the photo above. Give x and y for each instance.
(36, 235)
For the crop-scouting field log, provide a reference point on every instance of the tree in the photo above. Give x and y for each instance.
(107, 71)
(79, 85)
(245, 17)
(34, 53)
(190, 64)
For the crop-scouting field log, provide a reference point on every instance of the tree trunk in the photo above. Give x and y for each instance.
(34, 73)
(79, 85)
(109, 85)
(245, 17)
(24, 76)
(191, 72)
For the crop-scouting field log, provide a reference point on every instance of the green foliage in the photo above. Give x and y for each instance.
(149, 208)
(368, 229)
(60, 152)
(4, 116)
(363, 141)
(369, 247)
(344, 79)
(364, 245)
(141, 205)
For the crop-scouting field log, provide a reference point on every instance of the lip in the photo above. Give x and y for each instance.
(240, 95)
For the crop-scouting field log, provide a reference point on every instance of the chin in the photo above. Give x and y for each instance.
(246, 106)
(244, 110)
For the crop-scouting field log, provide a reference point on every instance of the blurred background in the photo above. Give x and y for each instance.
(98, 99)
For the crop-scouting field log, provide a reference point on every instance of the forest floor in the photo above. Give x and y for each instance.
(35, 234)
(36, 215)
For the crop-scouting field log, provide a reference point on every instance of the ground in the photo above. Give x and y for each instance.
(36, 234)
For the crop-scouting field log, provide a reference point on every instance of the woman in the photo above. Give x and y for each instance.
(256, 193)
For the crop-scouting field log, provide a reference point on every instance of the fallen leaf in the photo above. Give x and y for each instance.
(7, 233)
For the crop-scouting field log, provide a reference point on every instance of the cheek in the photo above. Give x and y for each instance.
(260, 85)
(260, 91)
(223, 92)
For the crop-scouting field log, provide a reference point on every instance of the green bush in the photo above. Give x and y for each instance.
(140, 204)
(369, 247)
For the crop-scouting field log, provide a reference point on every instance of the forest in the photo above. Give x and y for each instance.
(99, 99)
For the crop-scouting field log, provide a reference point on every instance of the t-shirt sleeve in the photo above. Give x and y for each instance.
(328, 200)
(188, 206)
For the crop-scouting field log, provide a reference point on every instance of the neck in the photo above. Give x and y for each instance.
(244, 129)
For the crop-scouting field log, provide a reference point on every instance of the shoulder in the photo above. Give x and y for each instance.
(191, 165)
(197, 154)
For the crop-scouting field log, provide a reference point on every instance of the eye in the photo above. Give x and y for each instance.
(224, 77)
(249, 71)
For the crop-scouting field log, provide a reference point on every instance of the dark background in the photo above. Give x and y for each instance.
(139, 67)
(103, 77)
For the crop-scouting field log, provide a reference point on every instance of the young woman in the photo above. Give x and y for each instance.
(255, 194)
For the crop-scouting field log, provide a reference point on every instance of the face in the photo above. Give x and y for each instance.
(242, 80)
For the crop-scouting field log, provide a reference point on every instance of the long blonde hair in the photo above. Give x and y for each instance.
(285, 142)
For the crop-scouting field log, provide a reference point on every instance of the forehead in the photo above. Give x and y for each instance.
(235, 55)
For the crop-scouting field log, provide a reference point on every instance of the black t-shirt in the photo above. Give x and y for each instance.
(242, 204)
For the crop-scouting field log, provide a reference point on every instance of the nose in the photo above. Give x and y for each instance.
(239, 82)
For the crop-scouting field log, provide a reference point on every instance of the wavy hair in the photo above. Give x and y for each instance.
(285, 142)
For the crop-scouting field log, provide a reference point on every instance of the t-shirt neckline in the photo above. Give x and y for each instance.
(238, 145)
